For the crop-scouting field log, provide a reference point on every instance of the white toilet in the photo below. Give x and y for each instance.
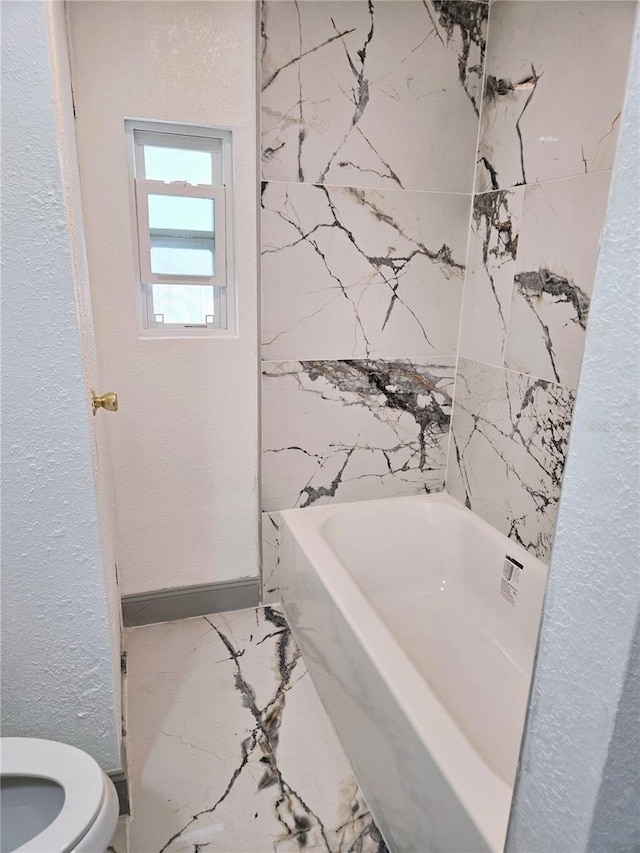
(55, 799)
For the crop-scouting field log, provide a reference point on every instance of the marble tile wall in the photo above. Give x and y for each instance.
(370, 114)
(361, 273)
(509, 440)
(371, 429)
(554, 88)
(382, 93)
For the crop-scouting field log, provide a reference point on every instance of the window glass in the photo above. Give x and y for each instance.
(182, 303)
(182, 235)
(174, 260)
(177, 213)
(177, 164)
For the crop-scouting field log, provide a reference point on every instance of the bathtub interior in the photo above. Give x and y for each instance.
(433, 573)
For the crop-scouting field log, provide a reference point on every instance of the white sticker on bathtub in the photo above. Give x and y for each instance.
(510, 580)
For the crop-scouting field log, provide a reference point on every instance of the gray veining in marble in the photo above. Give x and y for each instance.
(377, 94)
(360, 273)
(254, 765)
(270, 557)
(555, 272)
(493, 246)
(554, 88)
(354, 430)
(509, 439)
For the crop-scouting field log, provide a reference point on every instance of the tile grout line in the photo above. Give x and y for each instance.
(466, 269)
(543, 182)
(520, 373)
(386, 188)
(415, 358)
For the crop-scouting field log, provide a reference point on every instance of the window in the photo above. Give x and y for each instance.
(182, 188)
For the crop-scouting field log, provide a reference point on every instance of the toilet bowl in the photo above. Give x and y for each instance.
(55, 799)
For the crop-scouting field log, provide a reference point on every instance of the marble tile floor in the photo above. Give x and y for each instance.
(229, 747)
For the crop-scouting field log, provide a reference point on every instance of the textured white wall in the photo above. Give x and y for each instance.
(616, 818)
(59, 670)
(184, 445)
(579, 700)
(63, 104)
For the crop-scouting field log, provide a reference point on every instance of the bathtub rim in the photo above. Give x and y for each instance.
(482, 793)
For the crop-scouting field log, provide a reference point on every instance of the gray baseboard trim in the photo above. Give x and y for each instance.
(121, 784)
(166, 605)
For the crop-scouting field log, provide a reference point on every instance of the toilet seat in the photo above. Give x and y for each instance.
(78, 775)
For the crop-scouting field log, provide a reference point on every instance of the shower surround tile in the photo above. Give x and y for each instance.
(270, 557)
(361, 273)
(509, 439)
(230, 748)
(555, 273)
(378, 94)
(354, 430)
(554, 89)
(532, 260)
(493, 246)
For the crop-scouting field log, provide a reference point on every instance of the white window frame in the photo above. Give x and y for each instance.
(146, 188)
(218, 141)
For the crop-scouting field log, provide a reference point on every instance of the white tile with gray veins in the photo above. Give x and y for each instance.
(555, 272)
(493, 246)
(377, 94)
(354, 430)
(509, 439)
(375, 272)
(270, 557)
(230, 749)
(554, 89)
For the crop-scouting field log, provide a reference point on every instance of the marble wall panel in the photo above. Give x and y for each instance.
(491, 266)
(555, 272)
(554, 89)
(532, 260)
(354, 430)
(378, 94)
(361, 273)
(509, 439)
(270, 557)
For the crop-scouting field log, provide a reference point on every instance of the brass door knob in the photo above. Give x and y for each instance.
(107, 401)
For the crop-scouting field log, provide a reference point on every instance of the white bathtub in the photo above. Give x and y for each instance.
(421, 656)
